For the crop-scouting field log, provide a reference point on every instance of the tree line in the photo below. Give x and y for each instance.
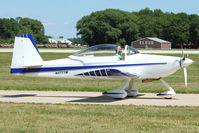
(122, 27)
(9, 28)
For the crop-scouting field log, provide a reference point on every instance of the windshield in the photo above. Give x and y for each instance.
(105, 50)
(131, 50)
(98, 50)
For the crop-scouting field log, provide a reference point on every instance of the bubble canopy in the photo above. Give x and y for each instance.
(102, 50)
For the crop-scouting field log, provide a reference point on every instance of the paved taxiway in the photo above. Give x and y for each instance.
(94, 98)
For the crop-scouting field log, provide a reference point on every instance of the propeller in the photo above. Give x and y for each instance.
(183, 58)
(185, 76)
(184, 67)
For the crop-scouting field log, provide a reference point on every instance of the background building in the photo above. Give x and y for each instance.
(60, 41)
(151, 42)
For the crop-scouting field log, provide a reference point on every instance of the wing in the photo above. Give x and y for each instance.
(110, 73)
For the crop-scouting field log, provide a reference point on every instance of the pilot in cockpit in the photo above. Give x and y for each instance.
(118, 52)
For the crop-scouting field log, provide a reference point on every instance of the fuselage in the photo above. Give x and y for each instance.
(144, 65)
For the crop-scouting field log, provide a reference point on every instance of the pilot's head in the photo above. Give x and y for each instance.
(118, 50)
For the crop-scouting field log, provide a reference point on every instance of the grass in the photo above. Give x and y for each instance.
(51, 118)
(9, 81)
(61, 118)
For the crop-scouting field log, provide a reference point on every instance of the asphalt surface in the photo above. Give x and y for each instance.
(94, 98)
(141, 51)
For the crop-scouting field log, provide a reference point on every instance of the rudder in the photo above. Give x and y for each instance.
(25, 53)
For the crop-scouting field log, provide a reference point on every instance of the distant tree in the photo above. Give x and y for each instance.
(61, 37)
(18, 19)
(178, 29)
(9, 28)
(194, 30)
(34, 27)
(116, 26)
(168, 26)
(146, 23)
(108, 26)
(159, 23)
(49, 36)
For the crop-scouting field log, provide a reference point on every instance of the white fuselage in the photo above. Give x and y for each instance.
(146, 66)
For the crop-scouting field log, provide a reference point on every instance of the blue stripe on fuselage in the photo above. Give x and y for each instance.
(49, 69)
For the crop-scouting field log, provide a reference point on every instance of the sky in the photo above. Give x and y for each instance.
(59, 17)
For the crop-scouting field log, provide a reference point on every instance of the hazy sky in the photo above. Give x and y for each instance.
(60, 16)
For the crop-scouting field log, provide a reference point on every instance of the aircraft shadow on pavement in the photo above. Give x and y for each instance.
(139, 96)
(19, 95)
(104, 99)
(99, 99)
(84, 99)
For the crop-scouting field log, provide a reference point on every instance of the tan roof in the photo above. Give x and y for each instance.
(154, 39)
(157, 39)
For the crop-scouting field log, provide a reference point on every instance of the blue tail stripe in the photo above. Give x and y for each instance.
(32, 40)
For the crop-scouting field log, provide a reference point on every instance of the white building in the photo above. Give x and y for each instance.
(62, 41)
(51, 40)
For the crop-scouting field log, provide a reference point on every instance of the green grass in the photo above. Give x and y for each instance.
(51, 118)
(8, 81)
(61, 118)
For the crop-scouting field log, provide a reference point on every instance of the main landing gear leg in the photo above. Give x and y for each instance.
(123, 91)
(167, 94)
(131, 92)
(118, 93)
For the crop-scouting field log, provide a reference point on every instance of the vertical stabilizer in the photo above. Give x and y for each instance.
(25, 53)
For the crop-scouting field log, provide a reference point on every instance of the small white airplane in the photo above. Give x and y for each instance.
(99, 61)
